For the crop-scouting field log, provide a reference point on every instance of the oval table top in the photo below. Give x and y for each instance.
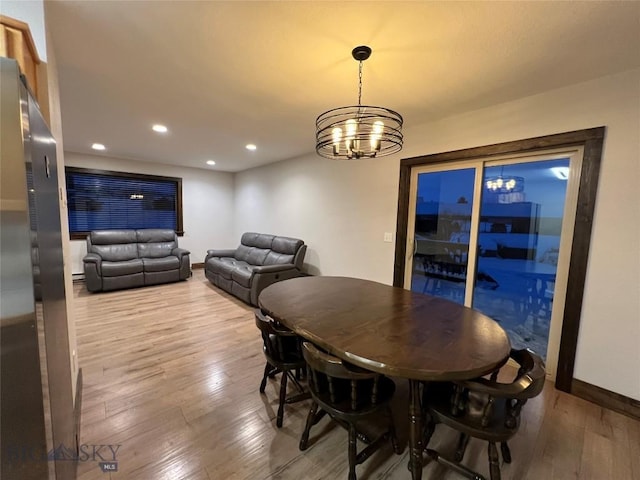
(387, 329)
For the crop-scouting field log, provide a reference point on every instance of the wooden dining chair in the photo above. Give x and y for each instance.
(282, 350)
(483, 408)
(351, 396)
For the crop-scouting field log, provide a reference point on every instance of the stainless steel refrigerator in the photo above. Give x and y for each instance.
(38, 426)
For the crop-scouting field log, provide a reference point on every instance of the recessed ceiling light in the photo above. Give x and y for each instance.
(159, 128)
(251, 147)
(210, 162)
(98, 146)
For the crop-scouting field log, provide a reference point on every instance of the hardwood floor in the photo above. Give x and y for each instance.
(171, 375)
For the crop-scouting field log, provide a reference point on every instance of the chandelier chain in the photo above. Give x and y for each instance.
(360, 84)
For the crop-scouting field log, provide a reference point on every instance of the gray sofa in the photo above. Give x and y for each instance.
(133, 258)
(259, 261)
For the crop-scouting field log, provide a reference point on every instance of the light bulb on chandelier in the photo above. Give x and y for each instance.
(504, 184)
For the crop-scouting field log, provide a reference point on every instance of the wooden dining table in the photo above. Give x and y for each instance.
(392, 331)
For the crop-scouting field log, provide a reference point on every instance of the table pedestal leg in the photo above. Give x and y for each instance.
(415, 430)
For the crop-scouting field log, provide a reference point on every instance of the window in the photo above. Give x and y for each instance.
(102, 200)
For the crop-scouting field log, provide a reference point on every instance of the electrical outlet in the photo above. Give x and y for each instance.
(388, 237)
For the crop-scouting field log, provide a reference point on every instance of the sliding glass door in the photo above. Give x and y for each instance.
(504, 220)
(443, 206)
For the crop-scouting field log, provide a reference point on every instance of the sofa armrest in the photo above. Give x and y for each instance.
(180, 252)
(298, 260)
(270, 274)
(278, 267)
(220, 253)
(92, 258)
(93, 271)
(185, 262)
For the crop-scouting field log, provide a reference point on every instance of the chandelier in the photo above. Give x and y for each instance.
(358, 131)
(504, 184)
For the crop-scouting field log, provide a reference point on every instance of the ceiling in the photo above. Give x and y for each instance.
(220, 74)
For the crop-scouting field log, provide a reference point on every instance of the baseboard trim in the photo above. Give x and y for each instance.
(605, 398)
(197, 266)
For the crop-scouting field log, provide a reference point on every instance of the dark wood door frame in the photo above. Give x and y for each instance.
(592, 141)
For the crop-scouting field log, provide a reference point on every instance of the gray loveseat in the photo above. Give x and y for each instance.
(259, 261)
(133, 258)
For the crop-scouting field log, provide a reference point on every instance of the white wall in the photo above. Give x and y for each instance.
(207, 203)
(32, 13)
(341, 209)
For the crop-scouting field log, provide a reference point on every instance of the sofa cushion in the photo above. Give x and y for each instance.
(260, 240)
(242, 252)
(155, 235)
(112, 237)
(242, 274)
(224, 266)
(124, 267)
(155, 249)
(155, 242)
(274, 258)
(251, 255)
(161, 264)
(224, 283)
(116, 252)
(257, 256)
(286, 245)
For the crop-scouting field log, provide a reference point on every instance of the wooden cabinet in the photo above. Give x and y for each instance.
(16, 42)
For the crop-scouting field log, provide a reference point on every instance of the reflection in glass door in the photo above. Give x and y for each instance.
(444, 201)
(501, 219)
(519, 244)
